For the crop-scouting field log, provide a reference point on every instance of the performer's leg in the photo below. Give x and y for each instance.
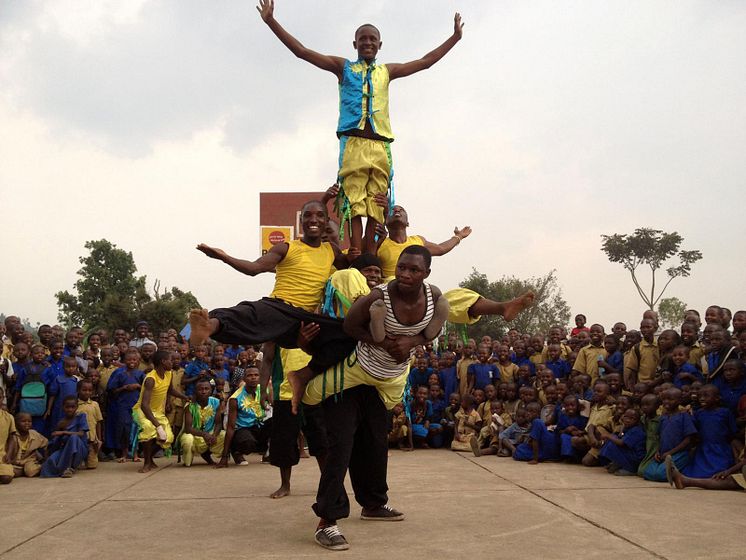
(440, 315)
(467, 306)
(379, 179)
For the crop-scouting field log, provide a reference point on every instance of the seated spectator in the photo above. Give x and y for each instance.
(68, 447)
(30, 448)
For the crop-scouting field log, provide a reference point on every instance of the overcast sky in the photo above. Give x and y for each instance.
(155, 125)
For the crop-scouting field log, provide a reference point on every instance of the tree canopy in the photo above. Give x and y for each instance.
(649, 248)
(109, 294)
(671, 312)
(549, 308)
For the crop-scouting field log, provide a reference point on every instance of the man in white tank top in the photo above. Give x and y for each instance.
(356, 418)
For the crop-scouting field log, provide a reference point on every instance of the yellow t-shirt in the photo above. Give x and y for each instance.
(301, 276)
(389, 252)
(158, 396)
(92, 415)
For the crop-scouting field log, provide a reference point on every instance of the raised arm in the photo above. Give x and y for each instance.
(333, 64)
(408, 68)
(440, 249)
(265, 263)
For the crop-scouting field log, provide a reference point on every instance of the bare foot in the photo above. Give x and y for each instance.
(147, 467)
(377, 317)
(199, 321)
(136, 459)
(122, 460)
(304, 454)
(281, 492)
(298, 381)
(515, 306)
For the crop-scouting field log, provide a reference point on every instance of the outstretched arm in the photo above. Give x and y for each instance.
(333, 64)
(439, 249)
(409, 68)
(265, 263)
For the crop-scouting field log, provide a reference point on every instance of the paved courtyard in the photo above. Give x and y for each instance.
(456, 505)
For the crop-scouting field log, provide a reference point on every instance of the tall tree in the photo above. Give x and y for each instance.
(671, 312)
(110, 295)
(649, 248)
(549, 307)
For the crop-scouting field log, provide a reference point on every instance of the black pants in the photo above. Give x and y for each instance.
(358, 440)
(250, 440)
(254, 322)
(286, 426)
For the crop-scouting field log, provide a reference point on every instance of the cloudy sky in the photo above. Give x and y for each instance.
(155, 124)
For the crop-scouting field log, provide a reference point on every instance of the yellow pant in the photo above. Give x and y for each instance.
(198, 445)
(147, 429)
(460, 300)
(390, 390)
(364, 170)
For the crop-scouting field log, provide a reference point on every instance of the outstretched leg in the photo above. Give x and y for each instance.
(508, 310)
(680, 481)
(202, 326)
(377, 317)
(440, 315)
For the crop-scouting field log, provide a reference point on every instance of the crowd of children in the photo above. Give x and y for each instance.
(667, 405)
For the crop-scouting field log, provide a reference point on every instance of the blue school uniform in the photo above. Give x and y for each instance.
(449, 381)
(685, 368)
(548, 448)
(193, 369)
(418, 420)
(418, 377)
(730, 394)
(67, 452)
(673, 429)
(119, 410)
(630, 455)
(560, 368)
(38, 423)
(616, 360)
(716, 429)
(525, 361)
(232, 353)
(56, 367)
(484, 374)
(61, 387)
(563, 422)
(438, 408)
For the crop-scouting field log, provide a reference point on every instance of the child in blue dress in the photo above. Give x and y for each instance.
(716, 427)
(683, 373)
(570, 423)
(124, 390)
(541, 444)
(676, 432)
(625, 451)
(68, 447)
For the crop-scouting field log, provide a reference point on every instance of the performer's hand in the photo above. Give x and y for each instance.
(222, 464)
(212, 252)
(458, 27)
(382, 200)
(462, 233)
(381, 232)
(306, 334)
(398, 347)
(330, 193)
(352, 254)
(266, 9)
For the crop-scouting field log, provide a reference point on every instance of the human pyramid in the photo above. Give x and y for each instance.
(342, 341)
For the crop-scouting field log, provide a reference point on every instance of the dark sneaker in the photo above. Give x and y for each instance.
(331, 537)
(383, 513)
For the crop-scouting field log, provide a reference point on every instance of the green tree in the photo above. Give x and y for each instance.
(671, 312)
(110, 295)
(549, 307)
(649, 248)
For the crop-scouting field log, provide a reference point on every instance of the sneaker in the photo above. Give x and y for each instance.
(475, 447)
(382, 513)
(329, 536)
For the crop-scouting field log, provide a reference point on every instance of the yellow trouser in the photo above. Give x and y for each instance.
(147, 430)
(364, 171)
(199, 446)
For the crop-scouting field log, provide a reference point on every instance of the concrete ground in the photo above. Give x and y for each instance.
(456, 505)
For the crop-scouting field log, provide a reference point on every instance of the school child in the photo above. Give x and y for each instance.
(514, 434)
(203, 422)
(650, 422)
(589, 356)
(197, 369)
(107, 366)
(7, 443)
(239, 370)
(682, 372)
(641, 362)
(30, 448)
(614, 361)
(95, 422)
(468, 424)
(731, 384)
(124, 391)
(579, 327)
(448, 422)
(520, 358)
(570, 423)
(438, 402)
(149, 412)
(559, 367)
(716, 427)
(31, 393)
(68, 447)
(690, 339)
(421, 412)
(536, 349)
(55, 363)
(468, 357)
(600, 418)
(62, 386)
(482, 373)
(721, 348)
(581, 387)
(498, 421)
(544, 380)
(541, 444)
(676, 431)
(98, 394)
(364, 129)
(614, 380)
(447, 373)
(400, 434)
(623, 453)
(219, 375)
(511, 401)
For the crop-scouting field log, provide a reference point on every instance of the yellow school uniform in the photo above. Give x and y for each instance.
(508, 373)
(645, 367)
(7, 429)
(26, 462)
(462, 367)
(587, 360)
(93, 416)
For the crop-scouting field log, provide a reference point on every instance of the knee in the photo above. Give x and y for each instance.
(6, 479)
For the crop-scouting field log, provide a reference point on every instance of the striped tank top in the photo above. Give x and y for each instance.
(375, 360)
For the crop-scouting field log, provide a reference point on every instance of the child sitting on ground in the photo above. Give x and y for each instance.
(716, 427)
(401, 433)
(7, 442)
(600, 417)
(676, 431)
(421, 412)
(468, 424)
(30, 448)
(570, 423)
(513, 434)
(68, 447)
(499, 420)
(624, 452)
(541, 444)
